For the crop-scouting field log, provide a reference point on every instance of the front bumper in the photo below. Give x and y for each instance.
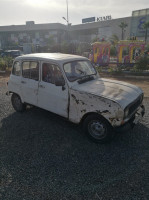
(135, 119)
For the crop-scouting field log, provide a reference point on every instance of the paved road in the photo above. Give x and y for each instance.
(44, 157)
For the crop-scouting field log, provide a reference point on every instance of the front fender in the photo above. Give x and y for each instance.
(82, 103)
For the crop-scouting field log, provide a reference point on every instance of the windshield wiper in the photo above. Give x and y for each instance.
(81, 71)
(86, 78)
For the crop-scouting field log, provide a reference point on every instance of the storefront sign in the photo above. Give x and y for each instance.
(105, 18)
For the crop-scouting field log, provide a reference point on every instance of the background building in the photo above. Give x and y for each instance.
(139, 17)
(101, 29)
(31, 37)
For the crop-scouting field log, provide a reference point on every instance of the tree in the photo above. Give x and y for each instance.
(95, 39)
(123, 25)
(50, 42)
(113, 51)
(114, 39)
(146, 26)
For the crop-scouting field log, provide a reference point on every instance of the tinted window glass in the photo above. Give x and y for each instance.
(16, 69)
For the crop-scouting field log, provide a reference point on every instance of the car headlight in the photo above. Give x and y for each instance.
(126, 112)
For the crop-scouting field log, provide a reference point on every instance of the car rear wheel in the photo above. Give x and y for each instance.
(17, 103)
(98, 129)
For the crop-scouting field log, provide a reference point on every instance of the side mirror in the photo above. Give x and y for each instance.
(60, 82)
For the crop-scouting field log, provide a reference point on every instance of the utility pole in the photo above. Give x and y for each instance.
(67, 20)
(67, 13)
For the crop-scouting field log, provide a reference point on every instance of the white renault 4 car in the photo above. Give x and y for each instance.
(70, 86)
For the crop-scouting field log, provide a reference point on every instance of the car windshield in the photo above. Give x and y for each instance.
(78, 69)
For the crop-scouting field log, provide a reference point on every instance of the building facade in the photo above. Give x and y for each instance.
(31, 35)
(139, 17)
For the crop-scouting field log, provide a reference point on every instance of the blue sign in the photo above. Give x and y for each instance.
(87, 20)
(142, 20)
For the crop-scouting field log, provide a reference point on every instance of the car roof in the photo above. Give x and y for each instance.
(59, 57)
(7, 51)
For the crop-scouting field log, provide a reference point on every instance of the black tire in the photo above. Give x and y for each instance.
(17, 103)
(98, 129)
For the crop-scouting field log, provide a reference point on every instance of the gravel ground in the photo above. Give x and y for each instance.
(44, 157)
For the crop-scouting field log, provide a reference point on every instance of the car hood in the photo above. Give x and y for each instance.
(118, 91)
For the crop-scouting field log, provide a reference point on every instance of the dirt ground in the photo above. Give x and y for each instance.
(144, 84)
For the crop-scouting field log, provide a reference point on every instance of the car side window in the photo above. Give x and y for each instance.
(30, 69)
(34, 71)
(51, 73)
(26, 69)
(16, 69)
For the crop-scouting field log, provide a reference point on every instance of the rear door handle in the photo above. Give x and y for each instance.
(23, 82)
(41, 86)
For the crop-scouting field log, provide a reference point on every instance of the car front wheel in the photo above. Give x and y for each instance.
(98, 129)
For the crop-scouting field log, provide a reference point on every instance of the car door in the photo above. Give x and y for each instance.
(15, 78)
(29, 82)
(51, 97)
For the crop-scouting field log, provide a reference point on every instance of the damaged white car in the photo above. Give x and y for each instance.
(70, 86)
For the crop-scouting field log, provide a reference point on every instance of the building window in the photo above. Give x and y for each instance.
(142, 12)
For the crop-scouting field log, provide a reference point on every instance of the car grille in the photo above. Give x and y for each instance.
(135, 105)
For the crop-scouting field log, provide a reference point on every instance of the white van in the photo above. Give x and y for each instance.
(70, 86)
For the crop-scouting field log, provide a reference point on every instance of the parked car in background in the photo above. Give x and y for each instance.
(70, 86)
(1, 51)
(11, 53)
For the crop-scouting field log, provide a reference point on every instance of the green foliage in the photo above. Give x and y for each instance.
(113, 51)
(114, 39)
(2, 64)
(8, 61)
(95, 39)
(146, 25)
(64, 47)
(99, 69)
(111, 70)
(147, 48)
(83, 47)
(123, 25)
(142, 64)
(51, 41)
(5, 63)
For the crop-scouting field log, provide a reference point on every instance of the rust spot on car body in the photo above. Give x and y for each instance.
(74, 97)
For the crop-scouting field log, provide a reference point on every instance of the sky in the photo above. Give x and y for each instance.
(17, 12)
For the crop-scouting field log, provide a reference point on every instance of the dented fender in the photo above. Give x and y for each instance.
(82, 103)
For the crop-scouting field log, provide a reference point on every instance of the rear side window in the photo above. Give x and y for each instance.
(16, 69)
(30, 69)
